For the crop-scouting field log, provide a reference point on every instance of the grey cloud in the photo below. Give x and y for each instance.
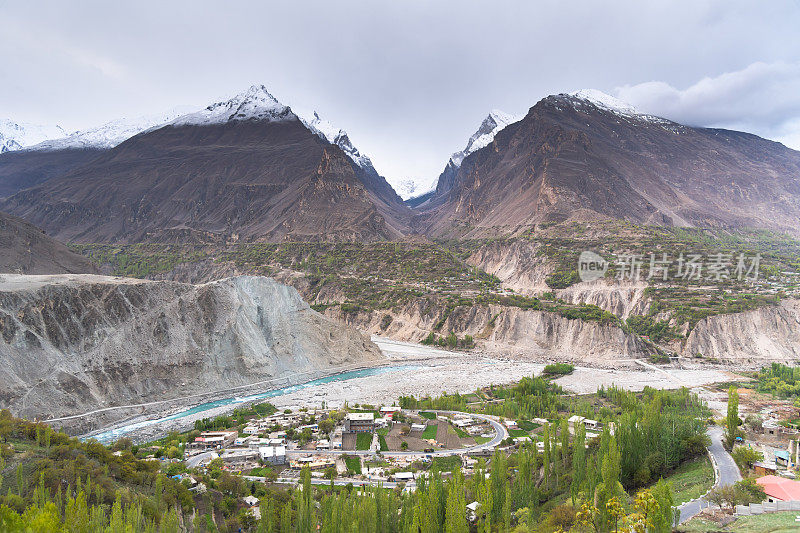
(762, 98)
(409, 80)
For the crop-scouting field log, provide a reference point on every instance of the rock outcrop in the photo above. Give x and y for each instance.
(507, 331)
(758, 336)
(70, 344)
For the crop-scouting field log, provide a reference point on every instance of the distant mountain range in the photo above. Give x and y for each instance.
(250, 168)
(245, 168)
(586, 155)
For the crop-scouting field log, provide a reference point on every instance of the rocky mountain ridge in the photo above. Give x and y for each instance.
(581, 157)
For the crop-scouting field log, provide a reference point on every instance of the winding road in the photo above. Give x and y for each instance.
(725, 471)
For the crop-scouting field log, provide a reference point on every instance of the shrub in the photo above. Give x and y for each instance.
(745, 457)
(560, 369)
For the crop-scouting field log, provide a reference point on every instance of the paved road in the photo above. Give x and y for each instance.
(726, 471)
(500, 435)
(195, 460)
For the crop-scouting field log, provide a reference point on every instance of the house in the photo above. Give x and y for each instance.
(782, 458)
(274, 455)
(359, 423)
(323, 444)
(382, 422)
(253, 508)
(592, 424)
(251, 430)
(574, 420)
(764, 469)
(257, 443)
(418, 427)
(402, 476)
(214, 440)
(472, 511)
(239, 456)
(510, 424)
(244, 441)
(771, 427)
(390, 411)
(464, 422)
(779, 489)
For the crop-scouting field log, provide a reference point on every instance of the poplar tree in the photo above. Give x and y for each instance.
(732, 420)
(546, 461)
(578, 461)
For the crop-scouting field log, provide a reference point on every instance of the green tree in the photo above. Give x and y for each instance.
(455, 517)
(663, 516)
(732, 419)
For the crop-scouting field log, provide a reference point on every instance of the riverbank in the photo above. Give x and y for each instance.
(410, 369)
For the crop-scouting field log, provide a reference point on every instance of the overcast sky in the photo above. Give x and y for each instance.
(409, 80)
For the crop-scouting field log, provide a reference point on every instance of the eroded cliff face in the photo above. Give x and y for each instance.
(750, 338)
(507, 331)
(621, 299)
(73, 343)
(516, 264)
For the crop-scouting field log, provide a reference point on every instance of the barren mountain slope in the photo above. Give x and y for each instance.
(573, 159)
(73, 343)
(25, 249)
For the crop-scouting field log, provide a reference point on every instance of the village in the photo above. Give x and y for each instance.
(386, 444)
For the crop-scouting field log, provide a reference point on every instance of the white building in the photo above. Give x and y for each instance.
(274, 455)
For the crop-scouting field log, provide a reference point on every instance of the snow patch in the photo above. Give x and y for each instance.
(20, 135)
(491, 125)
(113, 133)
(330, 133)
(606, 101)
(255, 104)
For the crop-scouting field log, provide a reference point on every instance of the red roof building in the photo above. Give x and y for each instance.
(780, 489)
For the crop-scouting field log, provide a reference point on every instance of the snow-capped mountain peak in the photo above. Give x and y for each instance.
(256, 104)
(328, 132)
(493, 123)
(605, 101)
(19, 135)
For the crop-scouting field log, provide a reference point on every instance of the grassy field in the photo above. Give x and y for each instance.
(517, 432)
(353, 463)
(427, 414)
(363, 441)
(460, 432)
(527, 425)
(384, 446)
(765, 523)
(446, 464)
(481, 440)
(691, 480)
(430, 431)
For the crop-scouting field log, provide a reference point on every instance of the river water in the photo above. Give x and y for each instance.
(114, 434)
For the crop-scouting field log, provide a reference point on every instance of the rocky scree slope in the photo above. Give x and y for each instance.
(73, 343)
